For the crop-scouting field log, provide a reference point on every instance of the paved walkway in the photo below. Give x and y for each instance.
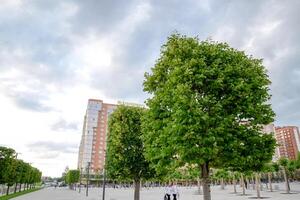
(155, 194)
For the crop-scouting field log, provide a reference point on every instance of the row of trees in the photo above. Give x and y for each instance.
(283, 169)
(207, 107)
(72, 177)
(16, 172)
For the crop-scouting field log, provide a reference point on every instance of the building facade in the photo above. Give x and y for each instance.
(288, 140)
(270, 129)
(93, 141)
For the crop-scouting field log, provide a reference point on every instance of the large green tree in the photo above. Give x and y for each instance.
(125, 159)
(7, 166)
(208, 102)
(7, 155)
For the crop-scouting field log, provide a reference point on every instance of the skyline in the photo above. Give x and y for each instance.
(56, 55)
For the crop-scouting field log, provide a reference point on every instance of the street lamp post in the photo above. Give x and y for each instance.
(88, 177)
(80, 179)
(17, 155)
(104, 177)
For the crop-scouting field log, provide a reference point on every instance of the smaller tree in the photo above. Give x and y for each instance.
(234, 176)
(72, 177)
(269, 168)
(283, 162)
(298, 161)
(25, 175)
(18, 173)
(125, 158)
(292, 167)
(222, 175)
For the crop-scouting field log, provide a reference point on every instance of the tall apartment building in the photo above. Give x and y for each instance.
(288, 139)
(93, 141)
(270, 129)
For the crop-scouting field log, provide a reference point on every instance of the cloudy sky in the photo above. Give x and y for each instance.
(55, 55)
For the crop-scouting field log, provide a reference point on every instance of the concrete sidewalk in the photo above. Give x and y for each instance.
(156, 194)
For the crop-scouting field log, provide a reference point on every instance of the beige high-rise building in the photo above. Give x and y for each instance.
(270, 129)
(93, 141)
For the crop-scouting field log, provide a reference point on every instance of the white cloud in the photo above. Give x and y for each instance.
(6, 4)
(93, 53)
(54, 55)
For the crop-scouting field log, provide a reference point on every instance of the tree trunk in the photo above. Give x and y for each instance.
(20, 187)
(270, 181)
(205, 181)
(253, 183)
(287, 186)
(222, 184)
(234, 185)
(16, 187)
(7, 190)
(261, 185)
(137, 186)
(199, 186)
(257, 186)
(243, 184)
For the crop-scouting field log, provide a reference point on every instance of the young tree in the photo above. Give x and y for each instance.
(234, 176)
(25, 175)
(269, 169)
(222, 175)
(125, 159)
(208, 102)
(72, 177)
(283, 162)
(18, 173)
(292, 167)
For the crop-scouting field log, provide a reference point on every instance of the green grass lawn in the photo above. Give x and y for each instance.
(10, 196)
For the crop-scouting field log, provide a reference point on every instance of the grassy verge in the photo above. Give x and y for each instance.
(10, 196)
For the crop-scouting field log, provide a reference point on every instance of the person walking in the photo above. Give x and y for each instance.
(168, 192)
(175, 192)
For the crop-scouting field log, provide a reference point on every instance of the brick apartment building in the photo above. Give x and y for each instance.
(93, 141)
(288, 139)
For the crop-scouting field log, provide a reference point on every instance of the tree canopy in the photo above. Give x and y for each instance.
(72, 177)
(15, 171)
(125, 158)
(207, 107)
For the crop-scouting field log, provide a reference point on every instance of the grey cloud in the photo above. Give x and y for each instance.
(101, 16)
(42, 36)
(281, 50)
(52, 147)
(29, 100)
(47, 155)
(63, 125)
(34, 41)
(44, 33)
(138, 51)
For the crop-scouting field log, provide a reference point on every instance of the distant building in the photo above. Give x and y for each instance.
(270, 129)
(93, 141)
(288, 140)
(94, 134)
